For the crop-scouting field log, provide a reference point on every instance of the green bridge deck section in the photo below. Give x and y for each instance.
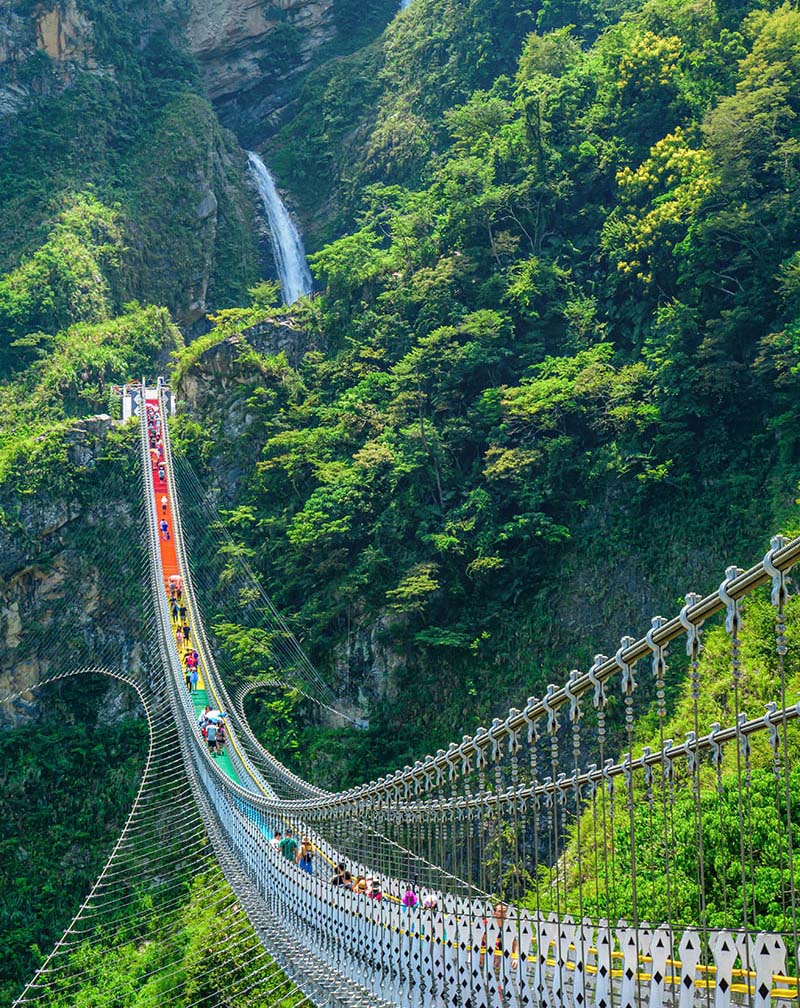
(200, 700)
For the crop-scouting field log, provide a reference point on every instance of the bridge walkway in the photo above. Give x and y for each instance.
(462, 945)
(202, 696)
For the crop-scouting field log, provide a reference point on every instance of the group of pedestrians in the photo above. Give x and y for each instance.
(191, 673)
(156, 443)
(211, 722)
(300, 852)
(370, 887)
(183, 632)
(492, 954)
(177, 607)
(360, 884)
(213, 730)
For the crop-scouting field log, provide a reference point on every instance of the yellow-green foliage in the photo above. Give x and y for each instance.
(74, 378)
(62, 339)
(264, 299)
(68, 279)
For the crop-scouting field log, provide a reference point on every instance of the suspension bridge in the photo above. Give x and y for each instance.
(548, 868)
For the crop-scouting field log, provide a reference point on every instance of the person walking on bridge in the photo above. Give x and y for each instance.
(288, 847)
(409, 900)
(499, 957)
(305, 859)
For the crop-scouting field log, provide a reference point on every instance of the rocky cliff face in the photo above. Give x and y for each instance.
(61, 606)
(249, 51)
(65, 34)
(217, 389)
(41, 50)
(365, 664)
(219, 383)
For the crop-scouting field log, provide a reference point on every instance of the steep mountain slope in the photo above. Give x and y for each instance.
(118, 109)
(117, 182)
(376, 115)
(253, 56)
(558, 374)
(552, 380)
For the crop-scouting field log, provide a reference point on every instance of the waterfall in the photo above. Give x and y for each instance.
(404, 4)
(287, 245)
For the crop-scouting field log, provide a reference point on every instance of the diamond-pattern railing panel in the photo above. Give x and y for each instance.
(536, 848)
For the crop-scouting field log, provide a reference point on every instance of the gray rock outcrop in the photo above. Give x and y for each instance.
(249, 49)
(65, 602)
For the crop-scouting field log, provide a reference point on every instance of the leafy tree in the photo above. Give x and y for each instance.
(69, 279)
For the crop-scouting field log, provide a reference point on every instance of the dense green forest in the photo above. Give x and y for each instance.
(566, 335)
(68, 783)
(551, 372)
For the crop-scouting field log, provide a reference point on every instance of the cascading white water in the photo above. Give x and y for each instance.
(287, 245)
(404, 4)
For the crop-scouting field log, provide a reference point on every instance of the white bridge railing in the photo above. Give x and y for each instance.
(477, 804)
